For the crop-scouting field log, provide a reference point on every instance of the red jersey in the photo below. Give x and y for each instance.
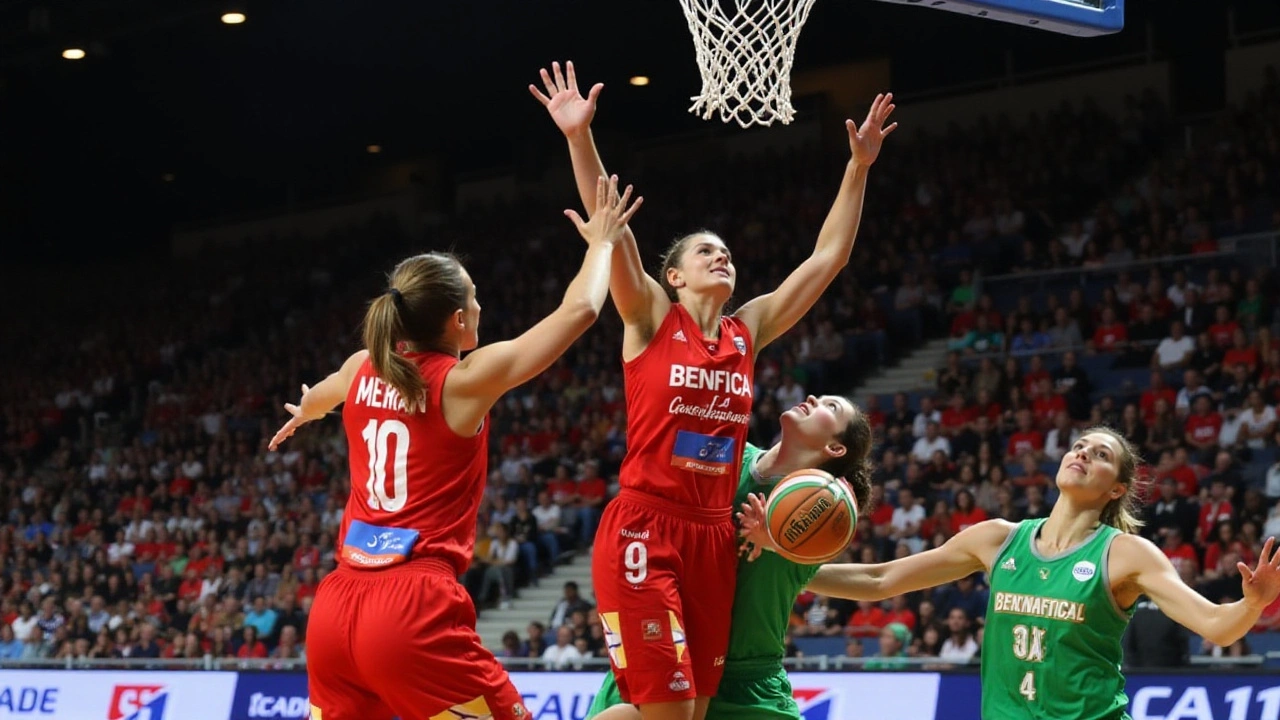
(415, 483)
(688, 408)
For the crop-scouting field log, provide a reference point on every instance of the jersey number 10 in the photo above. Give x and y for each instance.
(375, 436)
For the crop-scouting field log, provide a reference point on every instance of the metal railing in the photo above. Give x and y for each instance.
(206, 662)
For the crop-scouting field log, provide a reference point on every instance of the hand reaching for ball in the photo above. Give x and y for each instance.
(755, 529)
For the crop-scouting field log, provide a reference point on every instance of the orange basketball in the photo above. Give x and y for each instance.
(811, 517)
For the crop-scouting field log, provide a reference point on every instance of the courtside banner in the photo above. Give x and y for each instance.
(160, 695)
(116, 695)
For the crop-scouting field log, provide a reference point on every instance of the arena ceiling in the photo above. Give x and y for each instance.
(246, 117)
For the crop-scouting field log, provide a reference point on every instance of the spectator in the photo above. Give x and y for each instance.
(960, 646)
(500, 566)
(10, 646)
(1152, 640)
(250, 645)
(563, 653)
(894, 638)
(570, 603)
(930, 443)
(1060, 439)
(1176, 350)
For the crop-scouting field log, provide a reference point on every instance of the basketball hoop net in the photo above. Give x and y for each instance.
(745, 49)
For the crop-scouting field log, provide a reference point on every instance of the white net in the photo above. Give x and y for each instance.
(745, 49)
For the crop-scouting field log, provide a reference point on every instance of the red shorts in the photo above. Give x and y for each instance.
(664, 577)
(402, 642)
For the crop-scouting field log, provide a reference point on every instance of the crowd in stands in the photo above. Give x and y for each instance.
(145, 516)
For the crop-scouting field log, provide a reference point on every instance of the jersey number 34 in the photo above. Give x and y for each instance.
(1028, 645)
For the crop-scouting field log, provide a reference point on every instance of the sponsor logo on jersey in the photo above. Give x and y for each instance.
(814, 703)
(679, 337)
(1009, 565)
(719, 661)
(651, 629)
(741, 345)
(633, 534)
(696, 378)
(371, 546)
(1083, 570)
(706, 454)
(1036, 606)
(716, 410)
(138, 702)
(679, 683)
(1044, 573)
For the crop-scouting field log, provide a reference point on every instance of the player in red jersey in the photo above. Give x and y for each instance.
(392, 632)
(664, 562)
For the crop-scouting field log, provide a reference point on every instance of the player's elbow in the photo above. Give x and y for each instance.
(581, 312)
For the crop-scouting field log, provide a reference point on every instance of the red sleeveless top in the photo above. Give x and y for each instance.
(688, 411)
(415, 483)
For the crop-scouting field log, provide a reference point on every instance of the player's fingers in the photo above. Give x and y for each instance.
(886, 131)
(1265, 555)
(626, 216)
(305, 388)
(555, 70)
(576, 219)
(624, 198)
(594, 93)
(537, 94)
(571, 76)
(546, 82)
(1245, 572)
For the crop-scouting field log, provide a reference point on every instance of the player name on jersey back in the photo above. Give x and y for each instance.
(373, 392)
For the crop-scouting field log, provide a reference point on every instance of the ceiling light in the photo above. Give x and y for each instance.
(233, 18)
(373, 149)
(73, 54)
(640, 80)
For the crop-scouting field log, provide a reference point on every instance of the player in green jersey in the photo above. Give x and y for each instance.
(829, 433)
(1062, 588)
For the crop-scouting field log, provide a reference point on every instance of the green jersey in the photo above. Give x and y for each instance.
(766, 590)
(1051, 646)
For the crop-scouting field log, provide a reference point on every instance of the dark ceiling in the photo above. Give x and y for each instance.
(241, 114)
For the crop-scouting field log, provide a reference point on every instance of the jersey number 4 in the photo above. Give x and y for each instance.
(377, 437)
(1028, 645)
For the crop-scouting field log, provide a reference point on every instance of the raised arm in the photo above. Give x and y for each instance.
(1139, 567)
(477, 382)
(320, 400)
(771, 315)
(640, 300)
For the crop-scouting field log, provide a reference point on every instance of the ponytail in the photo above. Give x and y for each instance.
(383, 328)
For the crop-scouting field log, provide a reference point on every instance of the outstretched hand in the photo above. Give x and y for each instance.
(1262, 584)
(295, 422)
(755, 527)
(611, 214)
(865, 140)
(571, 112)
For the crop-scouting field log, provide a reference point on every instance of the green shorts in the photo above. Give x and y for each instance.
(747, 692)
